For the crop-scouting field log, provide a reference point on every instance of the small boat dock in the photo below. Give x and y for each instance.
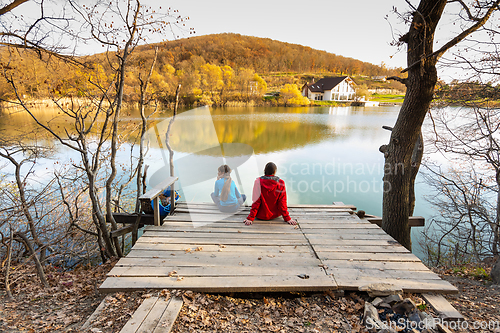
(201, 249)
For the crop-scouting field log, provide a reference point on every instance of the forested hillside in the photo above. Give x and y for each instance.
(212, 70)
(265, 55)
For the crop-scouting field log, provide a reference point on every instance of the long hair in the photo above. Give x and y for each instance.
(226, 171)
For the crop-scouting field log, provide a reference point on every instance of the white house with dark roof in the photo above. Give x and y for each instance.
(339, 89)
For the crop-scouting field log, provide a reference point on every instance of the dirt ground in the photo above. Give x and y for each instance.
(73, 297)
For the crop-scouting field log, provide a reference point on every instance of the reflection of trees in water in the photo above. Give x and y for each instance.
(262, 136)
(264, 129)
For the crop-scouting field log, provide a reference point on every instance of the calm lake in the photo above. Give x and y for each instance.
(324, 154)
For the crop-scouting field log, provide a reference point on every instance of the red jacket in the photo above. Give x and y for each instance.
(269, 199)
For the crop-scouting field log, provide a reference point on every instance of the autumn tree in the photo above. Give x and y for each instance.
(291, 95)
(420, 84)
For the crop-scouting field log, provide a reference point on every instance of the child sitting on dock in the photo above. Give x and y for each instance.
(226, 195)
(269, 197)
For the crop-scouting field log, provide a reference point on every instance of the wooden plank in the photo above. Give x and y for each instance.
(190, 230)
(368, 256)
(334, 223)
(337, 226)
(219, 235)
(391, 265)
(248, 241)
(88, 323)
(125, 218)
(324, 235)
(441, 305)
(209, 256)
(164, 271)
(168, 318)
(413, 221)
(153, 318)
(156, 211)
(139, 315)
(140, 245)
(122, 231)
(411, 286)
(351, 242)
(158, 189)
(265, 261)
(285, 283)
(362, 249)
(386, 273)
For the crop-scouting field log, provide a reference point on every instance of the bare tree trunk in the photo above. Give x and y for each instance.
(7, 267)
(29, 247)
(416, 159)
(24, 203)
(422, 77)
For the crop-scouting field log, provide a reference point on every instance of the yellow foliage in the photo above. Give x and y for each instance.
(290, 95)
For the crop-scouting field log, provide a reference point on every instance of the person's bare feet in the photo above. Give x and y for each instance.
(247, 222)
(292, 222)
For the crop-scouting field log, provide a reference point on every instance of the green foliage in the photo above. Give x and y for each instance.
(480, 273)
(387, 98)
(325, 103)
(422, 307)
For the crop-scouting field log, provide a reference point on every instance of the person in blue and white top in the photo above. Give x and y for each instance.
(226, 195)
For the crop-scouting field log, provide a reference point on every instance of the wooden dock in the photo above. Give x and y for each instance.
(200, 249)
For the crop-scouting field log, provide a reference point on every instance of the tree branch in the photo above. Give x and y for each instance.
(479, 23)
(11, 6)
(397, 78)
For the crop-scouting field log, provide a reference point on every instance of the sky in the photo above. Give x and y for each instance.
(351, 28)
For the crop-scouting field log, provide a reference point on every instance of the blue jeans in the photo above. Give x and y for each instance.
(228, 209)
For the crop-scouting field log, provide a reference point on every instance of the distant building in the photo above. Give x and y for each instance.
(339, 89)
(382, 78)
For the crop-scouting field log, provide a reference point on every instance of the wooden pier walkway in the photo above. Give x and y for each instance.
(200, 249)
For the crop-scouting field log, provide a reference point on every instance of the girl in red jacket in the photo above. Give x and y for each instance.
(269, 197)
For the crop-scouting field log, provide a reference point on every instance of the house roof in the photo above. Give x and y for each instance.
(327, 83)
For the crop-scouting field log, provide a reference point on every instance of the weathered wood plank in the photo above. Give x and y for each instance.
(265, 261)
(410, 266)
(367, 256)
(122, 231)
(93, 317)
(360, 248)
(169, 316)
(355, 273)
(441, 305)
(158, 189)
(219, 235)
(139, 315)
(250, 256)
(411, 286)
(324, 236)
(338, 226)
(189, 230)
(222, 284)
(325, 243)
(153, 318)
(123, 271)
(153, 246)
(234, 241)
(413, 221)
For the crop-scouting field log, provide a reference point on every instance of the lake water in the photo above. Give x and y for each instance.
(324, 154)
